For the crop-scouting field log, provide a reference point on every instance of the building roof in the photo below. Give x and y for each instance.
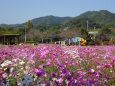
(9, 35)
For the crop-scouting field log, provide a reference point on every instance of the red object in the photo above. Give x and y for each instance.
(108, 66)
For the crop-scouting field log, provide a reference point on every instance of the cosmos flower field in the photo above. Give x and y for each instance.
(54, 65)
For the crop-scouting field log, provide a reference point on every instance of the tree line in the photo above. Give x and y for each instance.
(57, 32)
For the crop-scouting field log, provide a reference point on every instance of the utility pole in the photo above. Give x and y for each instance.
(94, 28)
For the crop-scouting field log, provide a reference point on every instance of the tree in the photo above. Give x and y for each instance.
(106, 30)
(70, 33)
(104, 34)
(34, 35)
(29, 25)
(86, 36)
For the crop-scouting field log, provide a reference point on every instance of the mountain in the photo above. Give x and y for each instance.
(50, 20)
(95, 18)
(12, 25)
(42, 20)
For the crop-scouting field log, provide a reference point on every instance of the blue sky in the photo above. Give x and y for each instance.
(19, 11)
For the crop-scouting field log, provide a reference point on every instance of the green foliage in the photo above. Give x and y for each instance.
(102, 17)
(82, 22)
(8, 30)
(106, 30)
(29, 42)
(43, 27)
(87, 37)
(84, 31)
(50, 20)
(29, 25)
(51, 42)
(21, 30)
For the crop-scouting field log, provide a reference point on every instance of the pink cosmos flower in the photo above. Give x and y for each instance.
(108, 66)
(81, 72)
(99, 67)
(4, 75)
(60, 80)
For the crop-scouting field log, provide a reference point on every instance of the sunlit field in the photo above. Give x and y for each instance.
(54, 65)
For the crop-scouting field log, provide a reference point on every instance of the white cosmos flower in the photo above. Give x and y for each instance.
(22, 62)
(14, 60)
(92, 70)
(54, 79)
(5, 63)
